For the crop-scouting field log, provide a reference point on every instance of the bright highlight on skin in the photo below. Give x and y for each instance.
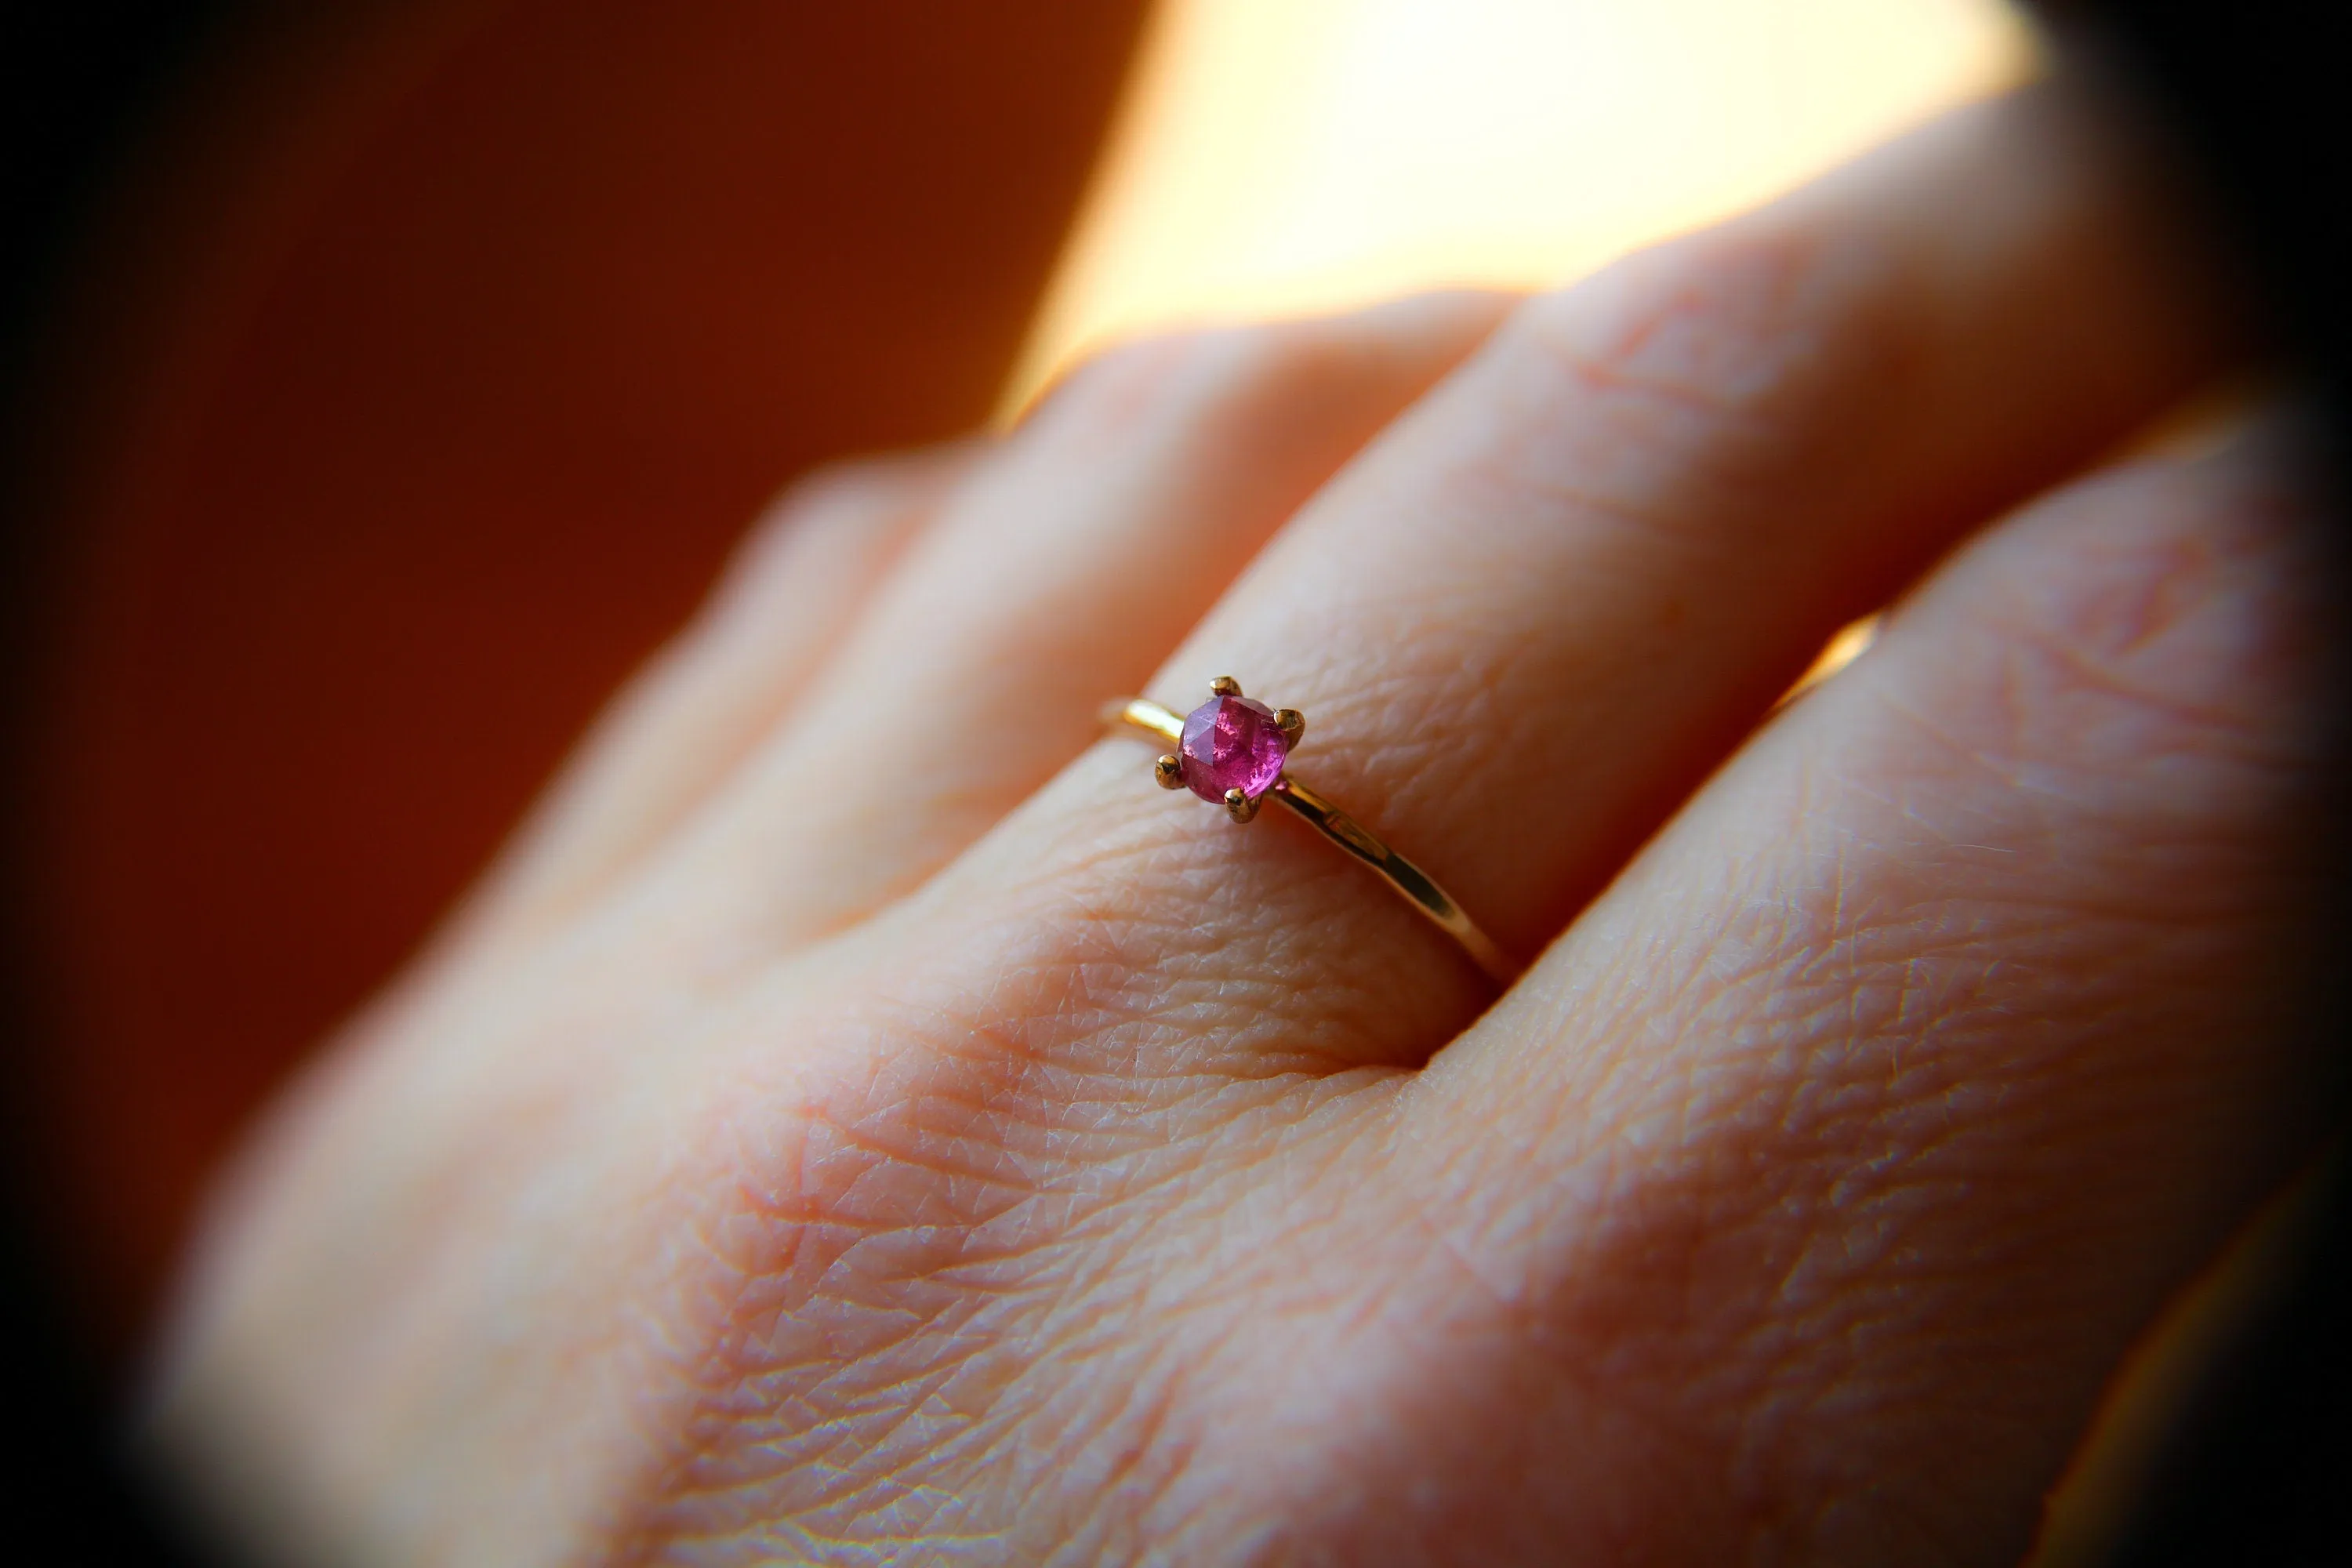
(1304, 155)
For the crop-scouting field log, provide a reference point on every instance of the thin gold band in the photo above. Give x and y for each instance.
(1410, 880)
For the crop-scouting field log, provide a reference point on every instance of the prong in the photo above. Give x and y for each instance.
(1169, 771)
(1292, 723)
(1239, 806)
(1226, 686)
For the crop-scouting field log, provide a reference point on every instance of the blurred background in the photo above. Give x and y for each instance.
(385, 380)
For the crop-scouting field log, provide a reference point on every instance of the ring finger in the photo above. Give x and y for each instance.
(1528, 620)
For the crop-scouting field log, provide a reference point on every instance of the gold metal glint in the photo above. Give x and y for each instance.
(1410, 882)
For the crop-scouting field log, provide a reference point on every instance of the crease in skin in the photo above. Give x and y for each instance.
(1927, 1148)
(851, 1271)
(1843, 357)
(1274, 408)
(1395, 704)
(944, 1173)
(1853, 963)
(833, 1281)
(1207, 376)
(1739, 355)
(1227, 931)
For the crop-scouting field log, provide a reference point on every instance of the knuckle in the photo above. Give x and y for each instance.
(1235, 374)
(841, 501)
(1721, 357)
(2165, 610)
(852, 492)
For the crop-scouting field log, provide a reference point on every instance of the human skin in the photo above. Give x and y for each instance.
(861, 1119)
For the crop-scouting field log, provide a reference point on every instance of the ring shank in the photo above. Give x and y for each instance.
(1411, 883)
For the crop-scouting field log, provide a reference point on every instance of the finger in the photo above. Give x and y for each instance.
(1853, 1136)
(1544, 604)
(690, 717)
(1120, 512)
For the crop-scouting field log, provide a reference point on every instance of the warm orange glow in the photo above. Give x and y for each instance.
(1279, 156)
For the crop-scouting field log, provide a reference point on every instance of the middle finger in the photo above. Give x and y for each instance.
(1527, 621)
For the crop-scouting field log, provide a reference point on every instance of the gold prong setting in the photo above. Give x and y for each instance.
(1231, 752)
(1277, 730)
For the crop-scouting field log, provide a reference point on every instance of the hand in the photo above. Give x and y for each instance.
(864, 1119)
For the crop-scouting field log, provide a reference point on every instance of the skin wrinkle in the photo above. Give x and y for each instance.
(1398, 706)
(832, 1484)
(2093, 674)
(1726, 354)
(1839, 953)
(1236, 912)
(798, 1234)
(1849, 948)
(1293, 1296)
(1242, 394)
(895, 1150)
(1146, 1433)
(1141, 1427)
(1254, 1316)
(1816, 1366)
(2050, 791)
(1321, 1491)
(963, 1282)
(1204, 1004)
(1412, 772)
(1505, 1290)
(1146, 1464)
(1762, 389)
(2108, 622)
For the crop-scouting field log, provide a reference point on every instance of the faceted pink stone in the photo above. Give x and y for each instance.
(1232, 742)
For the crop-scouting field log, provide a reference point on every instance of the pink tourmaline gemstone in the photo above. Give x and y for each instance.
(1232, 742)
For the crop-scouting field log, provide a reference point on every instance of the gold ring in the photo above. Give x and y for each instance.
(1234, 753)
